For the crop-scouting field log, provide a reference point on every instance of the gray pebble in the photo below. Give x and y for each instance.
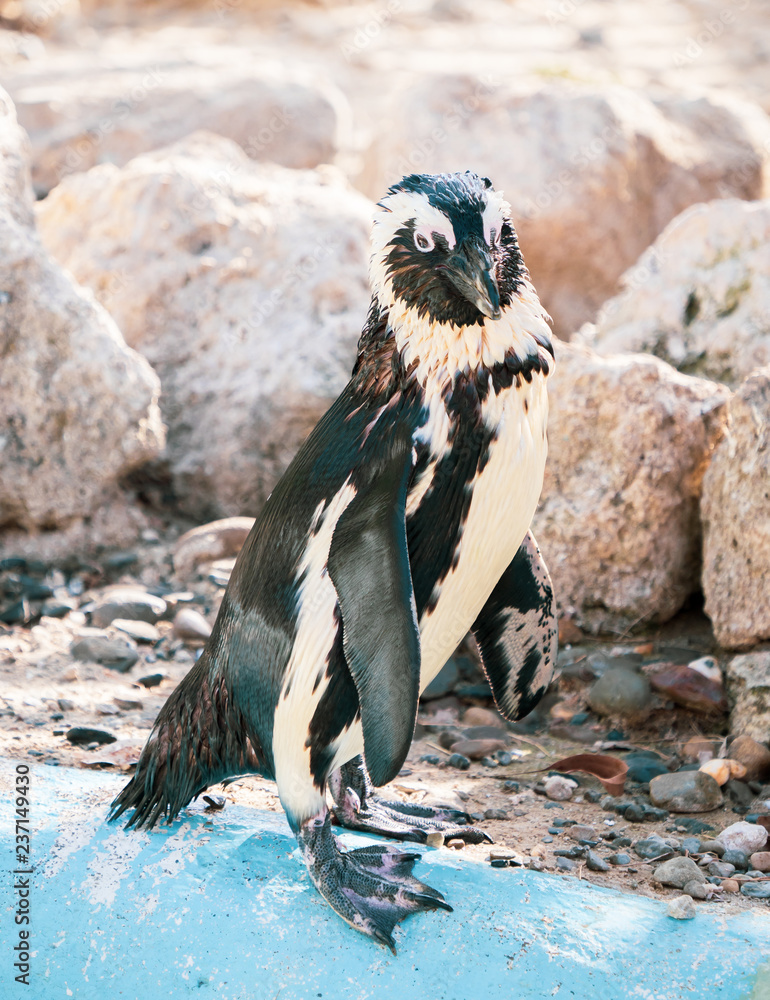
(191, 626)
(459, 761)
(127, 602)
(547, 839)
(503, 758)
(721, 868)
(620, 692)
(691, 844)
(495, 814)
(619, 859)
(430, 758)
(651, 847)
(634, 813)
(113, 653)
(738, 858)
(695, 890)
(713, 847)
(595, 863)
(678, 872)
(138, 630)
(489, 762)
(756, 890)
(565, 864)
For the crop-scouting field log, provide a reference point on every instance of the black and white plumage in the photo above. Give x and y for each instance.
(401, 524)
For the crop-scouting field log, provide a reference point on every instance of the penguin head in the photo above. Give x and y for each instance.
(443, 246)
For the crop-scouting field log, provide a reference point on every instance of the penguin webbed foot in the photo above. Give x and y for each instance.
(371, 888)
(358, 807)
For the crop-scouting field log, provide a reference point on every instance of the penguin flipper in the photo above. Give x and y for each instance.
(517, 633)
(369, 567)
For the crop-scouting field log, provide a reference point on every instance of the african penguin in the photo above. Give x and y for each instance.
(402, 523)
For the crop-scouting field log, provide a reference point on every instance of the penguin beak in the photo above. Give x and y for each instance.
(471, 270)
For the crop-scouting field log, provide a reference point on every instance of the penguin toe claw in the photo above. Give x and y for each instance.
(371, 888)
(404, 821)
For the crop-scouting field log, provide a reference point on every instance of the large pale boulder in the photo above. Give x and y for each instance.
(736, 520)
(246, 287)
(78, 408)
(699, 297)
(592, 176)
(629, 441)
(80, 113)
(748, 688)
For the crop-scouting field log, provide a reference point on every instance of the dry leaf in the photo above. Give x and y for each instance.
(611, 771)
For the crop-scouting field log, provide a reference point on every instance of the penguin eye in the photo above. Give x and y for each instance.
(423, 240)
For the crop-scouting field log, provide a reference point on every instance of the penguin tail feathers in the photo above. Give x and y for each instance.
(199, 739)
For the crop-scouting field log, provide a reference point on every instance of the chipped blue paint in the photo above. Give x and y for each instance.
(220, 906)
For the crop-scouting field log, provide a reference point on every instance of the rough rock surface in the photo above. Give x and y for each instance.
(677, 872)
(748, 688)
(735, 510)
(78, 408)
(698, 297)
(685, 792)
(81, 113)
(593, 176)
(629, 439)
(742, 836)
(245, 285)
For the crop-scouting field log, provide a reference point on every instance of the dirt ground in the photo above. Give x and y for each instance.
(45, 693)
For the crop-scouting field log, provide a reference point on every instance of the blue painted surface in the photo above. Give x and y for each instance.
(219, 905)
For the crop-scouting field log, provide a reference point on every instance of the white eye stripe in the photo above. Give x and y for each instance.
(423, 240)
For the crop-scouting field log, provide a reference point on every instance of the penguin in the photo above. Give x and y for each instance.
(402, 523)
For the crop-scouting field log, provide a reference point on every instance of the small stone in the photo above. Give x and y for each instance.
(489, 762)
(495, 814)
(695, 890)
(595, 863)
(112, 653)
(754, 756)
(748, 837)
(128, 706)
(686, 791)
(563, 821)
(127, 602)
(730, 885)
(565, 864)
(65, 704)
(592, 795)
(698, 748)
(82, 736)
(559, 789)
(681, 908)
(504, 758)
(138, 630)
(720, 868)
(151, 680)
(722, 769)
(620, 691)
(475, 716)
(476, 749)
(653, 815)
(690, 688)
(619, 859)
(510, 786)
(547, 839)
(760, 860)
(191, 626)
(456, 844)
(651, 847)
(435, 839)
(739, 859)
(712, 847)
(459, 761)
(643, 767)
(756, 890)
(578, 831)
(430, 758)
(677, 872)
(634, 813)
(499, 863)
(691, 845)
(104, 709)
